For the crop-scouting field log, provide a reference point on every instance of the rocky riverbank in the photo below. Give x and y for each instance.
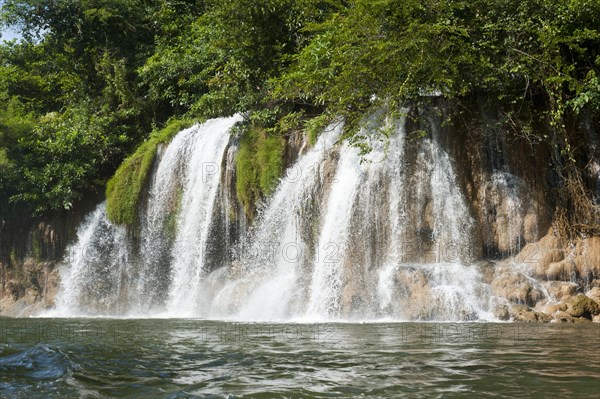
(550, 283)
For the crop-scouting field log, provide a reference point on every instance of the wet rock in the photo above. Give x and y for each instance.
(594, 293)
(552, 262)
(30, 266)
(15, 289)
(523, 314)
(554, 308)
(411, 278)
(413, 287)
(542, 317)
(530, 226)
(51, 285)
(31, 296)
(26, 305)
(543, 260)
(539, 305)
(541, 254)
(563, 270)
(582, 306)
(487, 271)
(561, 290)
(565, 317)
(508, 210)
(517, 288)
(502, 312)
(587, 257)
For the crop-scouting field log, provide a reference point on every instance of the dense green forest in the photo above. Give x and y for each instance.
(93, 80)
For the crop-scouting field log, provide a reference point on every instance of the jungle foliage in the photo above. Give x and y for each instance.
(90, 79)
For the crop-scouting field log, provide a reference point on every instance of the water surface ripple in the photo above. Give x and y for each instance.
(179, 358)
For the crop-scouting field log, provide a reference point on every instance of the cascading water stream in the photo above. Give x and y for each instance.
(93, 284)
(157, 219)
(200, 181)
(105, 274)
(277, 250)
(327, 278)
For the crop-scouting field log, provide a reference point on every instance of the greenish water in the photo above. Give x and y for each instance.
(99, 358)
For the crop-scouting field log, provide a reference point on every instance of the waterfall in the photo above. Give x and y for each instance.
(326, 289)
(344, 236)
(157, 223)
(98, 260)
(200, 181)
(104, 273)
(267, 281)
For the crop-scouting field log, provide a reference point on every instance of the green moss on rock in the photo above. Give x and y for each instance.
(582, 306)
(124, 189)
(259, 164)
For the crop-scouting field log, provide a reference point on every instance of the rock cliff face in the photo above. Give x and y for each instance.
(506, 181)
(508, 188)
(30, 250)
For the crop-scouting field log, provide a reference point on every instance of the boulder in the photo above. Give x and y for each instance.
(565, 317)
(554, 308)
(523, 314)
(517, 288)
(501, 312)
(594, 293)
(542, 317)
(541, 254)
(582, 306)
(561, 290)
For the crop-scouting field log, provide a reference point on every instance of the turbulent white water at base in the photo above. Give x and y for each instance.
(386, 236)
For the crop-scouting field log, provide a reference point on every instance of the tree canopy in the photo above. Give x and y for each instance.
(90, 79)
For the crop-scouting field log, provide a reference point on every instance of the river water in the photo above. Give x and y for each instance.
(188, 358)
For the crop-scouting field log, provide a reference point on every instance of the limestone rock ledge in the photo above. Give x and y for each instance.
(33, 293)
(548, 283)
(30, 251)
